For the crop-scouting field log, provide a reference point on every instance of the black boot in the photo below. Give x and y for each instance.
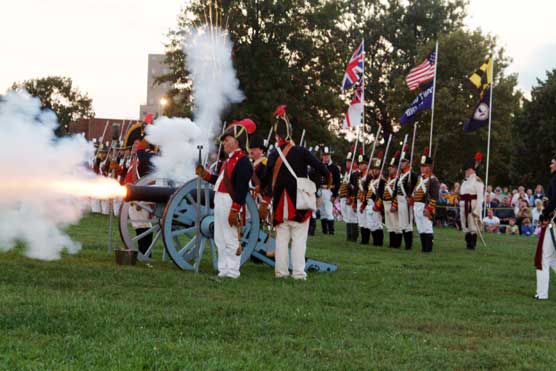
(365, 236)
(392, 239)
(469, 241)
(324, 224)
(430, 240)
(397, 240)
(355, 233)
(426, 242)
(473, 241)
(378, 237)
(312, 226)
(330, 227)
(408, 239)
(423, 242)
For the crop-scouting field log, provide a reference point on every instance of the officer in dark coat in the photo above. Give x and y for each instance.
(328, 193)
(280, 185)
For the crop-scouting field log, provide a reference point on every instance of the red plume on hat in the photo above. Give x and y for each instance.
(380, 155)
(248, 124)
(397, 154)
(280, 111)
(426, 151)
(478, 156)
(149, 118)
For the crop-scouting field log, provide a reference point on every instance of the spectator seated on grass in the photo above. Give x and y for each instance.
(527, 228)
(491, 223)
(537, 212)
(512, 228)
(504, 212)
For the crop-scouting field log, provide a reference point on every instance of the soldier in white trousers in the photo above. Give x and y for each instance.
(471, 201)
(545, 257)
(425, 197)
(375, 191)
(406, 182)
(231, 187)
(362, 186)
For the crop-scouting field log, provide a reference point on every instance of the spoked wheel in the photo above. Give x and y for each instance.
(186, 243)
(139, 221)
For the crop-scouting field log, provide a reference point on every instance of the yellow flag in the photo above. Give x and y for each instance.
(482, 77)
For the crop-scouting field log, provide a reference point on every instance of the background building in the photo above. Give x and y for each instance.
(155, 92)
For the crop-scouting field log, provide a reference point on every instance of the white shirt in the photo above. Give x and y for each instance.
(491, 221)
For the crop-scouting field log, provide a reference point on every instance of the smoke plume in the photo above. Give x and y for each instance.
(44, 179)
(215, 86)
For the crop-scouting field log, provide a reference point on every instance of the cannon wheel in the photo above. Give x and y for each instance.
(155, 212)
(180, 233)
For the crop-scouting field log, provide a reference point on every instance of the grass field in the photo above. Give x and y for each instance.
(384, 309)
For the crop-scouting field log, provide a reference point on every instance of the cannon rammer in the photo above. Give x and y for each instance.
(183, 218)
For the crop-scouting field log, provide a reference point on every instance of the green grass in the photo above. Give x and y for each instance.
(383, 309)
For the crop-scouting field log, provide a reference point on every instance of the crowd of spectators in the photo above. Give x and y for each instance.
(514, 212)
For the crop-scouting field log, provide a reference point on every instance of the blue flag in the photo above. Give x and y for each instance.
(422, 102)
(480, 114)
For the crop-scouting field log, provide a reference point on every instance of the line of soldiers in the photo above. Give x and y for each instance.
(368, 198)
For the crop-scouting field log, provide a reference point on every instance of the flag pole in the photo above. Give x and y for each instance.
(489, 127)
(353, 158)
(363, 99)
(433, 94)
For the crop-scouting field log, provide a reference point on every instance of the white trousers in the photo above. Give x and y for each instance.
(405, 215)
(297, 234)
(374, 218)
(225, 237)
(105, 206)
(424, 224)
(349, 215)
(471, 226)
(392, 221)
(326, 207)
(548, 261)
(361, 216)
(95, 206)
(116, 203)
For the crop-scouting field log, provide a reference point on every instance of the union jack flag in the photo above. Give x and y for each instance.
(355, 110)
(422, 73)
(354, 69)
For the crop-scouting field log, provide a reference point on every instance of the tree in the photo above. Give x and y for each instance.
(536, 133)
(58, 94)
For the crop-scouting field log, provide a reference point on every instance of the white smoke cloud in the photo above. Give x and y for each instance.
(215, 87)
(43, 179)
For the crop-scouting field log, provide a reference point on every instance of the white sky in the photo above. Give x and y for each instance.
(103, 44)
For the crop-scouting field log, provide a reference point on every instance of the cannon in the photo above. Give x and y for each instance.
(182, 217)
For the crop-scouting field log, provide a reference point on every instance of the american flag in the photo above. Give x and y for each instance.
(422, 73)
(354, 69)
(355, 110)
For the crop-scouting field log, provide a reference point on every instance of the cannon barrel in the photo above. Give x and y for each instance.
(148, 193)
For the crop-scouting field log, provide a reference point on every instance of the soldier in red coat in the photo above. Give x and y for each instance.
(231, 186)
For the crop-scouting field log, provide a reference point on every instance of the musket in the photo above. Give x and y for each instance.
(302, 137)
(353, 156)
(374, 143)
(479, 232)
(269, 135)
(411, 156)
(101, 142)
(220, 147)
(385, 153)
(198, 211)
(399, 162)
